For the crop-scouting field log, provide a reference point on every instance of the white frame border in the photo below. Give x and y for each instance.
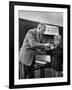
(18, 81)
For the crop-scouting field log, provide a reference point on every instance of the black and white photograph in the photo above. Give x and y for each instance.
(40, 44)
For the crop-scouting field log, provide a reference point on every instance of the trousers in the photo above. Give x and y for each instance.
(29, 70)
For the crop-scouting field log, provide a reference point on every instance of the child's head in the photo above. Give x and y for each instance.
(57, 40)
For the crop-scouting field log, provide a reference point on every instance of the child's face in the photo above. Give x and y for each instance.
(56, 42)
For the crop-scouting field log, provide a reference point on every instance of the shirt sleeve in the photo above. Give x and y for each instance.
(33, 42)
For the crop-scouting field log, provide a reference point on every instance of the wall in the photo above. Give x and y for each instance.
(55, 18)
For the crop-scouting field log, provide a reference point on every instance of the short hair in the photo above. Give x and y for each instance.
(41, 25)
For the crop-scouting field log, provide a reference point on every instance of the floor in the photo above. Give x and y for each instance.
(47, 73)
